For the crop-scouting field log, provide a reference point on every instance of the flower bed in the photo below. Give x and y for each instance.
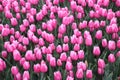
(59, 39)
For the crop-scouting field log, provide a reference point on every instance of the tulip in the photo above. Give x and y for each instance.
(111, 45)
(26, 65)
(79, 74)
(98, 35)
(96, 51)
(101, 63)
(43, 67)
(53, 61)
(100, 71)
(26, 75)
(63, 56)
(16, 55)
(36, 68)
(57, 75)
(14, 70)
(81, 54)
(111, 58)
(89, 74)
(68, 66)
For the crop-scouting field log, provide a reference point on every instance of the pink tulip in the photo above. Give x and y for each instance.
(76, 47)
(22, 60)
(35, 39)
(79, 74)
(53, 61)
(57, 75)
(102, 23)
(118, 54)
(80, 40)
(18, 76)
(16, 55)
(73, 5)
(14, 70)
(98, 34)
(59, 62)
(111, 58)
(25, 41)
(81, 54)
(44, 67)
(39, 16)
(14, 21)
(110, 15)
(96, 51)
(101, 63)
(28, 55)
(63, 56)
(17, 34)
(8, 14)
(62, 29)
(90, 3)
(5, 32)
(27, 5)
(38, 54)
(100, 71)
(59, 48)
(69, 78)
(77, 32)
(22, 28)
(4, 54)
(2, 65)
(81, 65)
(66, 39)
(26, 65)
(91, 14)
(68, 66)
(104, 42)
(89, 74)
(65, 47)
(106, 2)
(73, 55)
(35, 2)
(111, 45)
(56, 2)
(74, 25)
(26, 75)
(88, 41)
(73, 39)
(36, 68)
(52, 15)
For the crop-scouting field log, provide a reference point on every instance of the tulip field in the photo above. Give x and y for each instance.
(59, 39)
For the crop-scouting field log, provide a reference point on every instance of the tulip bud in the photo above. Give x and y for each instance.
(79, 74)
(68, 66)
(96, 51)
(63, 56)
(36, 68)
(26, 65)
(43, 67)
(100, 71)
(81, 54)
(26, 75)
(98, 35)
(101, 63)
(111, 58)
(16, 55)
(57, 75)
(104, 42)
(111, 45)
(14, 70)
(89, 74)
(73, 55)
